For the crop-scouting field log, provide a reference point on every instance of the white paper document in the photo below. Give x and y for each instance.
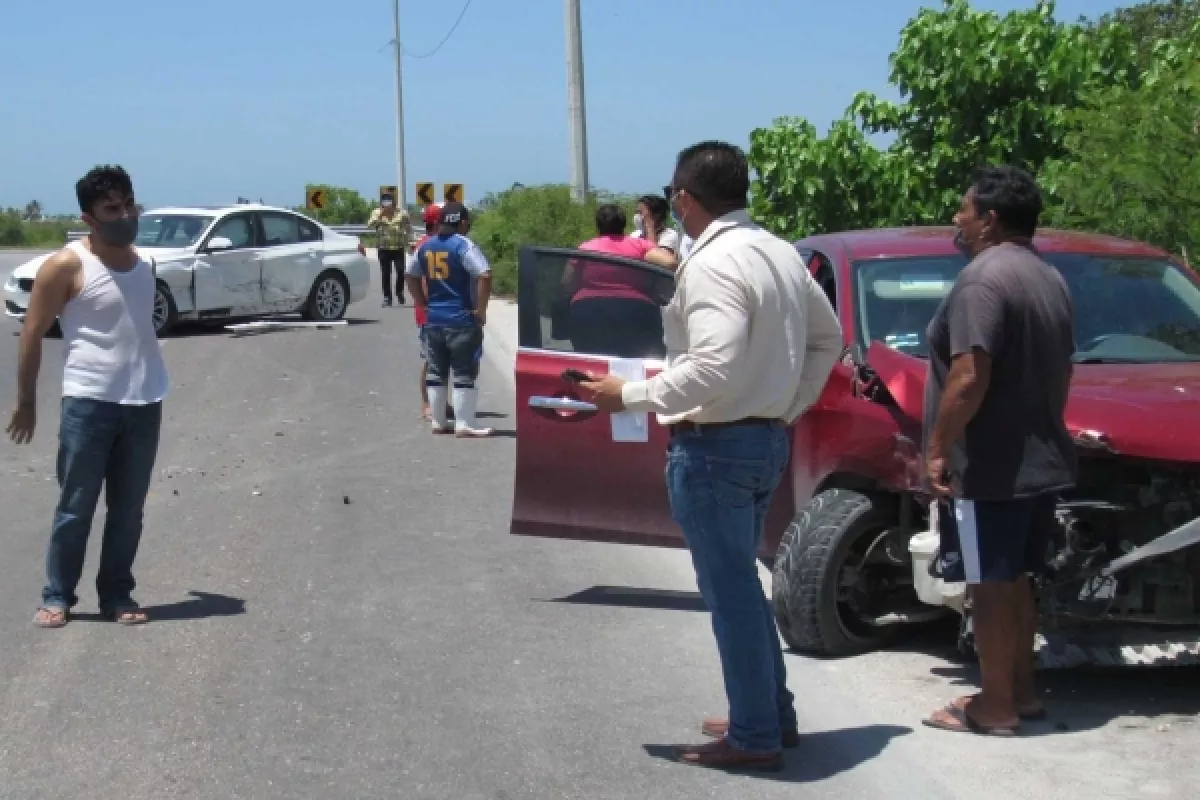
(629, 426)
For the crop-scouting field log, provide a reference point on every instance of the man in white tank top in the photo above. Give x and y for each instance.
(102, 292)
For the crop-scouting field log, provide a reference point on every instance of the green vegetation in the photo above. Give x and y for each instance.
(1022, 88)
(541, 215)
(28, 228)
(342, 207)
(1130, 165)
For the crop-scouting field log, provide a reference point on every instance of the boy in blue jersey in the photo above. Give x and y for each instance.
(459, 284)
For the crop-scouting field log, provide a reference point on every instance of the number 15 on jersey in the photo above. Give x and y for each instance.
(437, 265)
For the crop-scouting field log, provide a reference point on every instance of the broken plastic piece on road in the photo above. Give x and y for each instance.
(266, 325)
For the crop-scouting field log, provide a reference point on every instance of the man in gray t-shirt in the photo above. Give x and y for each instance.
(997, 447)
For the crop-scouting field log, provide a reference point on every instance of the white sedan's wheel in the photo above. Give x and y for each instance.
(165, 314)
(329, 299)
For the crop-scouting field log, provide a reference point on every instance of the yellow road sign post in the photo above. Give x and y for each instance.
(452, 192)
(389, 191)
(425, 194)
(314, 198)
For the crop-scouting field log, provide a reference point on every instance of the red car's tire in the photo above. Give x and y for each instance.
(806, 579)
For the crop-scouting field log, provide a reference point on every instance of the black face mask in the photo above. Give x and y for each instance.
(118, 232)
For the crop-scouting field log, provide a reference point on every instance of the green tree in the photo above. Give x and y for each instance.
(542, 215)
(342, 207)
(977, 88)
(1130, 166)
(1151, 23)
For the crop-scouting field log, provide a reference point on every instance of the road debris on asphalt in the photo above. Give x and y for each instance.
(268, 325)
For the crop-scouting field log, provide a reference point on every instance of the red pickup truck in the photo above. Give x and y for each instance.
(850, 538)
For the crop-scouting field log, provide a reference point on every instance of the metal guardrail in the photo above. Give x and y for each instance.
(348, 230)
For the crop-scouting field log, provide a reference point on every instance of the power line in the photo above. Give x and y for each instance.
(445, 39)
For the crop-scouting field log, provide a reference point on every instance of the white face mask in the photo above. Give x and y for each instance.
(637, 223)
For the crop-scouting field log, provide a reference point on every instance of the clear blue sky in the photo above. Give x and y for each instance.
(204, 102)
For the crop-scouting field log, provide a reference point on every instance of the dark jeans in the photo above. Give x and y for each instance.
(389, 259)
(100, 445)
(453, 350)
(617, 327)
(720, 483)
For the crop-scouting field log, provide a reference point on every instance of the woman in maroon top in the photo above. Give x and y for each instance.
(614, 310)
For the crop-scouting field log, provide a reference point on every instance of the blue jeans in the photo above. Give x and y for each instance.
(100, 445)
(720, 482)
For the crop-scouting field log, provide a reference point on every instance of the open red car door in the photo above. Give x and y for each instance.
(580, 473)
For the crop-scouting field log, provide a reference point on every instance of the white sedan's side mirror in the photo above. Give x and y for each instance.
(219, 243)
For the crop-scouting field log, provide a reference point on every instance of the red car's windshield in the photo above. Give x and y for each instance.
(1127, 310)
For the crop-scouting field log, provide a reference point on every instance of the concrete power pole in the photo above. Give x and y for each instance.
(575, 103)
(401, 181)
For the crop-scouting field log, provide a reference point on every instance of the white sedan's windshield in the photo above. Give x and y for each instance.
(171, 230)
(1127, 310)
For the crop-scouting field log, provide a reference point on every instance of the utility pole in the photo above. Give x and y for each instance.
(575, 104)
(401, 182)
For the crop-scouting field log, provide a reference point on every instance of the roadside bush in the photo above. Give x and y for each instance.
(15, 231)
(542, 215)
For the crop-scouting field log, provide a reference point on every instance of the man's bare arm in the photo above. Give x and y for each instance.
(966, 386)
(662, 257)
(416, 288)
(483, 294)
(55, 285)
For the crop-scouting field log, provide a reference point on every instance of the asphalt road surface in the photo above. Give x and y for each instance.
(339, 612)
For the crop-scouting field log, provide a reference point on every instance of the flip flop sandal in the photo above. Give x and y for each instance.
(62, 617)
(966, 724)
(126, 615)
(1025, 716)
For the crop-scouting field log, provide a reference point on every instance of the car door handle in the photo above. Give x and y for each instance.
(562, 404)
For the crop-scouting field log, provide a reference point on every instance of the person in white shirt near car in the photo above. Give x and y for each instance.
(651, 222)
(102, 292)
(751, 340)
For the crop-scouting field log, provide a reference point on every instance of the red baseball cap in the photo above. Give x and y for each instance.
(432, 215)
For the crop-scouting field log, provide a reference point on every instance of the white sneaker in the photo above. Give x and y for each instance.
(472, 433)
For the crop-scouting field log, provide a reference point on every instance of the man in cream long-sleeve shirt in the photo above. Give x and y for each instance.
(751, 340)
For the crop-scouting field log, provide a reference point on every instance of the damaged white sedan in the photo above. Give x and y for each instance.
(236, 262)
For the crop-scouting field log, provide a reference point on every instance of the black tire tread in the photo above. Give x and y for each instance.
(800, 579)
(172, 311)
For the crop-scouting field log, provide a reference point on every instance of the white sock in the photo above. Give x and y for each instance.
(437, 407)
(465, 402)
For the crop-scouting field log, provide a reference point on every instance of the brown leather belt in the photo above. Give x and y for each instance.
(687, 426)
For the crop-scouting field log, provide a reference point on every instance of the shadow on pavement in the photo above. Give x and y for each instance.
(634, 597)
(1083, 699)
(490, 415)
(203, 605)
(820, 756)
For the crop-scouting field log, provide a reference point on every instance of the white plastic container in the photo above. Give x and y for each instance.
(930, 590)
(923, 546)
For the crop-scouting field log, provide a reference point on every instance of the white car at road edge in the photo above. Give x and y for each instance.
(239, 261)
